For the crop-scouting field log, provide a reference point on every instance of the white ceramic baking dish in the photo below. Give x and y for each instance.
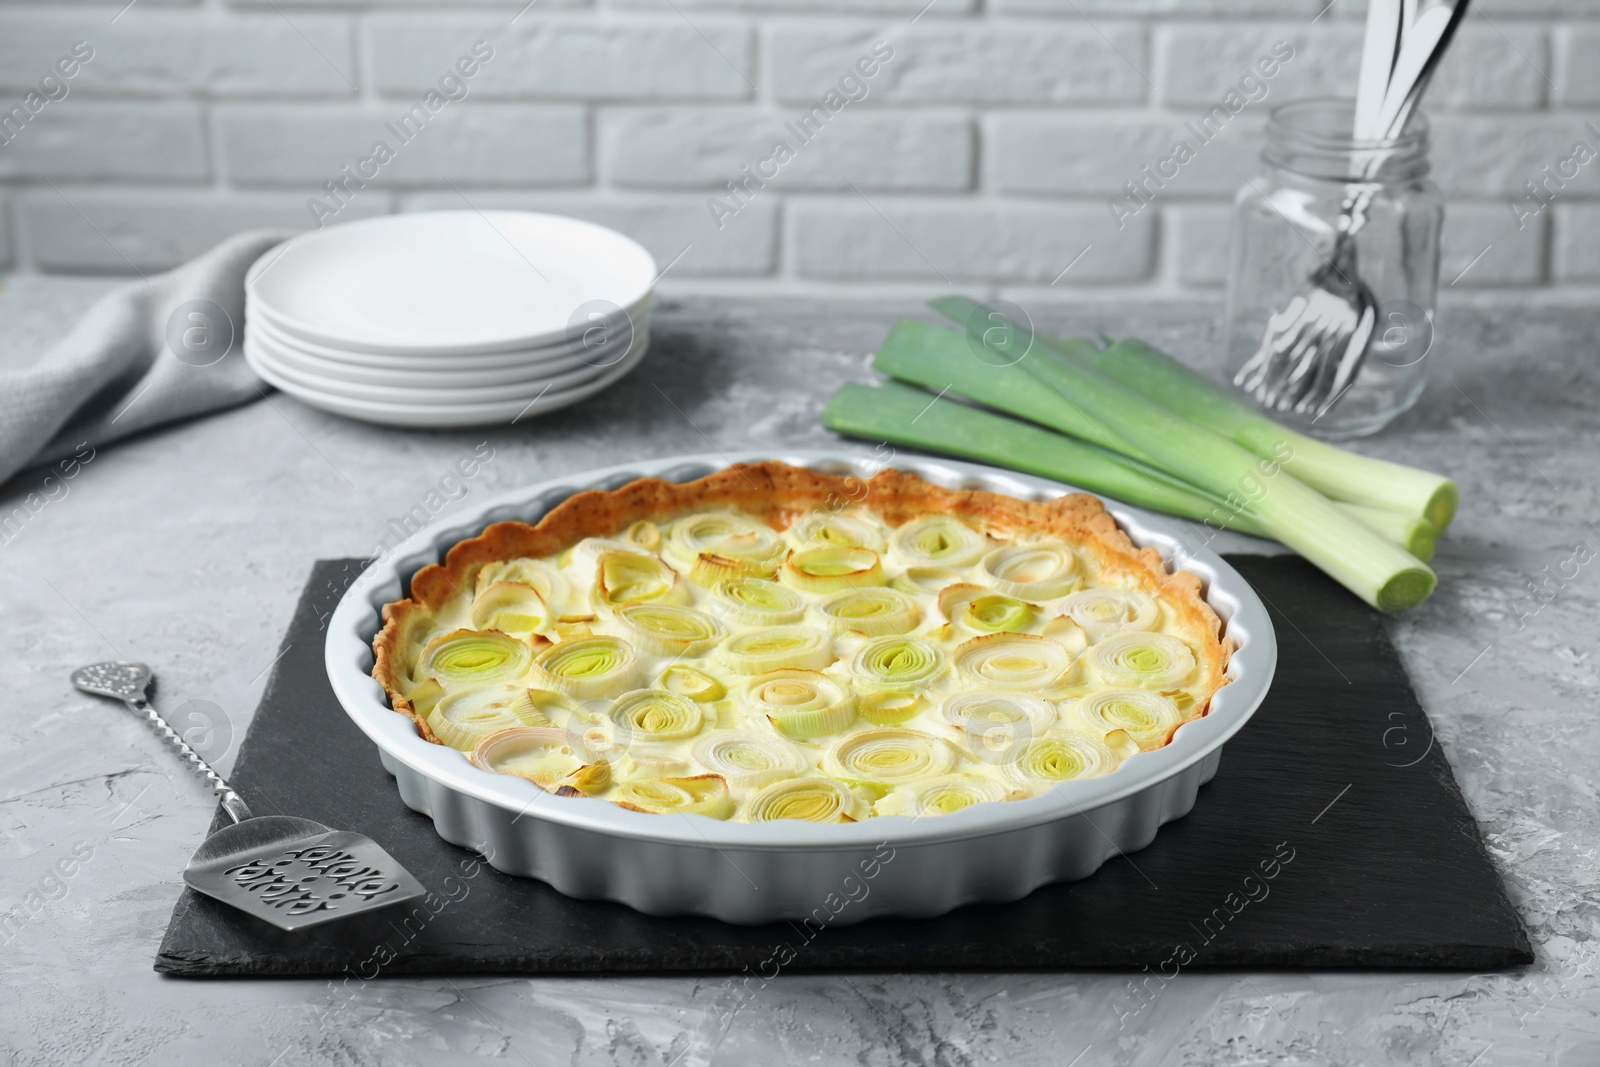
(832, 874)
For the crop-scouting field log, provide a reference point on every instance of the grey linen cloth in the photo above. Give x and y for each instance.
(147, 353)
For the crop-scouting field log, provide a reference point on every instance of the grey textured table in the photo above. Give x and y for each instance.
(187, 549)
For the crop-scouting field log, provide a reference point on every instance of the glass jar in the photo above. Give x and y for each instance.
(1338, 240)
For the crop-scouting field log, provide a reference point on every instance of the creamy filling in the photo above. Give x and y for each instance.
(835, 671)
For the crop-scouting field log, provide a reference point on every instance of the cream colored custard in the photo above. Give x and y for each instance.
(839, 669)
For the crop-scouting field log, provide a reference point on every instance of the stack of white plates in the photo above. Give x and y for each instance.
(449, 318)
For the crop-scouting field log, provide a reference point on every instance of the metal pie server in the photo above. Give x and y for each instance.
(294, 873)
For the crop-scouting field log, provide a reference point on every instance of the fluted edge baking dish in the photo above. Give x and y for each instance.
(833, 874)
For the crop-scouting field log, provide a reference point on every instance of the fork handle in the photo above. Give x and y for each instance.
(232, 803)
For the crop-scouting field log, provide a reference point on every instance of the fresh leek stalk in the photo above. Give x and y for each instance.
(942, 360)
(1416, 535)
(902, 415)
(1337, 473)
(1381, 573)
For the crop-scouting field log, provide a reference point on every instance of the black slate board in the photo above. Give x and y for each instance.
(1337, 773)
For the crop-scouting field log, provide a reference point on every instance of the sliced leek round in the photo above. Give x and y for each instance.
(1145, 660)
(558, 709)
(758, 602)
(840, 530)
(474, 657)
(1013, 662)
(543, 755)
(634, 578)
(992, 725)
(690, 682)
(700, 794)
(939, 541)
(1103, 612)
(669, 629)
(1145, 716)
(722, 533)
(1034, 570)
(643, 534)
(511, 608)
(748, 761)
(1061, 757)
(544, 578)
(897, 663)
(711, 570)
(891, 707)
(873, 611)
(975, 607)
(463, 718)
(760, 651)
(940, 796)
(889, 755)
(920, 581)
(977, 711)
(802, 704)
(811, 799)
(656, 715)
(829, 568)
(650, 761)
(587, 668)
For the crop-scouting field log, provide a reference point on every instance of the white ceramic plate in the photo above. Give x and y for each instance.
(448, 281)
(761, 872)
(342, 377)
(599, 335)
(446, 416)
(259, 352)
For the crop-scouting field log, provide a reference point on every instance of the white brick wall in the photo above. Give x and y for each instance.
(980, 154)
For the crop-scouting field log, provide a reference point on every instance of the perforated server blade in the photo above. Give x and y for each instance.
(293, 873)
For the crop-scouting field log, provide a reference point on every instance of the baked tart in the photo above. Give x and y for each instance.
(769, 642)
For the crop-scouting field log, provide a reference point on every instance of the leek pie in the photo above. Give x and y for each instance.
(773, 643)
